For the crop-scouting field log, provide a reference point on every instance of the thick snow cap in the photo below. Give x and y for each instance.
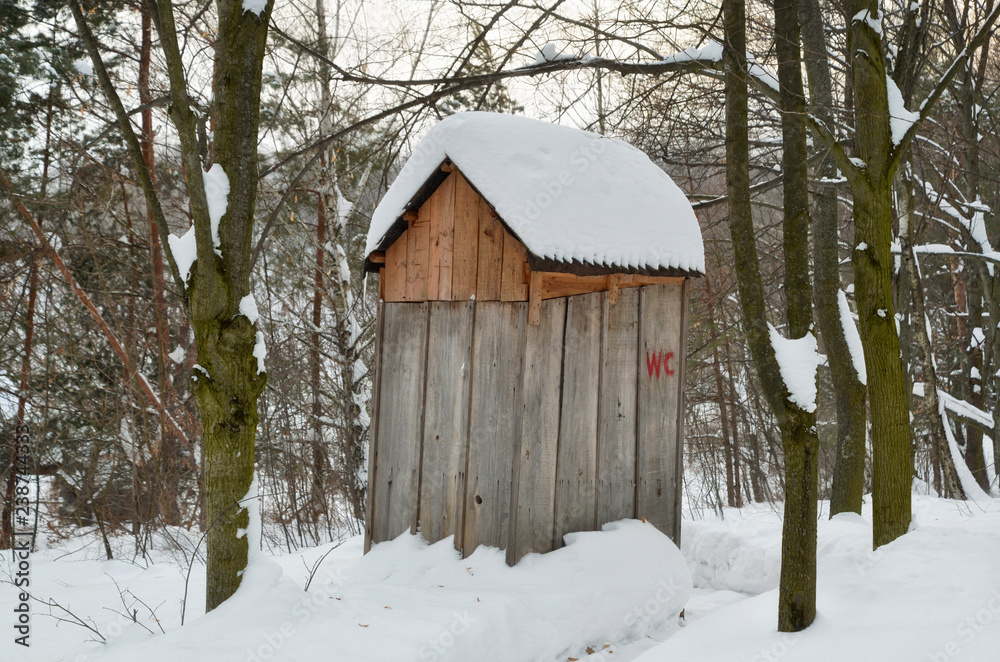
(568, 195)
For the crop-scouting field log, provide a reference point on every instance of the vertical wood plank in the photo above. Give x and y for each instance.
(439, 212)
(497, 347)
(446, 419)
(417, 258)
(659, 400)
(491, 240)
(616, 426)
(395, 269)
(535, 298)
(512, 285)
(465, 267)
(447, 238)
(534, 486)
(401, 402)
(682, 374)
(430, 213)
(576, 464)
(375, 418)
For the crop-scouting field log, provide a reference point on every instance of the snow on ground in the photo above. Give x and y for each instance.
(932, 595)
(404, 601)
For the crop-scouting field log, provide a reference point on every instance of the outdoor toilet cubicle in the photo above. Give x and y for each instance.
(530, 338)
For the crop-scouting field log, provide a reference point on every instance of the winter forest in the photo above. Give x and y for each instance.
(196, 329)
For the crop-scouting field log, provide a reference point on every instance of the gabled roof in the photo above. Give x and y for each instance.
(570, 196)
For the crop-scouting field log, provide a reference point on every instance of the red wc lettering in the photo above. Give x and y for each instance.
(654, 362)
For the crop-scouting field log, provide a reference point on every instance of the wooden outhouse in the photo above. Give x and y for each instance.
(530, 341)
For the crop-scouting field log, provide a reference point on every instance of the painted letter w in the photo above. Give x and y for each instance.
(653, 363)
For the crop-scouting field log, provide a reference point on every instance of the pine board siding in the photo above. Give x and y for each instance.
(373, 431)
(465, 265)
(658, 449)
(491, 241)
(446, 419)
(576, 462)
(396, 479)
(440, 209)
(395, 269)
(535, 466)
(678, 472)
(513, 286)
(498, 339)
(616, 425)
(418, 259)
(455, 248)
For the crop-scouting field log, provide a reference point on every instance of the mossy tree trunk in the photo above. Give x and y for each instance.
(227, 395)
(797, 591)
(229, 382)
(871, 185)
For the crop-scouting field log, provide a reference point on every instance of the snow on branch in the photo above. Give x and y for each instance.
(948, 404)
(760, 74)
(709, 53)
(853, 338)
(960, 409)
(900, 119)
(798, 361)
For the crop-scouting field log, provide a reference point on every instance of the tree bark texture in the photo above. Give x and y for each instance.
(227, 395)
(892, 457)
(849, 393)
(950, 485)
(797, 590)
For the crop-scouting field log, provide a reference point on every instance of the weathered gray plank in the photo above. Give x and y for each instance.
(660, 348)
(679, 461)
(616, 426)
(576, 463)
(400, 413)
(535, 466)
(446, 419)
(373, 444)
(498, 342)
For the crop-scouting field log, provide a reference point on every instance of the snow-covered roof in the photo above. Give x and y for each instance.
(568, 195)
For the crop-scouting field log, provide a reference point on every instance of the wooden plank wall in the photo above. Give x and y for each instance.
(454, 249)
(373, 431)
(511, 435)
(446, 419)
(576, 461)
(616, 430)
(661, 316)
(535, 468)
(394, 486)
(494, 426)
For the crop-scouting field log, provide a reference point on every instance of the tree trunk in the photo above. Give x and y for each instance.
(797, 590)
(892, 459)
(950, 485)
(872, 259)
(7, 526)
(169, 478)
(319, 458)
(849, 392)
(228, 389)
